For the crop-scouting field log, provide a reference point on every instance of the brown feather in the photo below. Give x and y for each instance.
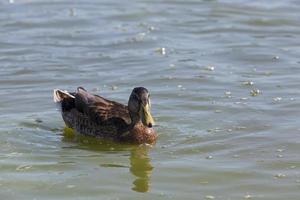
(99, 109)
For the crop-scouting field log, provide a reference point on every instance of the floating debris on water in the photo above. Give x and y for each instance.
(181, 87)
(228, 94)
(114, 165)
(209, 157)
(210, 68)
(218, 111)
(139, 37)
(239, 127)
(23, 167)
(172, 66)
(114, 87)
(277, 99)
(203, 182)
(255, 92)
(244, 98)
(214, 130)
(209, 197)
(279, 156)
(248, 83)
(169, 77)
(268, 73)
(161, 50)
(70, 186)
(279, 175)
(14, 154)
(248, 196)
(275, 58)
(151, 28)
(280, 150)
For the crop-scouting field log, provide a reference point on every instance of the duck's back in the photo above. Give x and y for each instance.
(93, 115)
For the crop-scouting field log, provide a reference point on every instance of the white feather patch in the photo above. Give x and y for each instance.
(58, 95)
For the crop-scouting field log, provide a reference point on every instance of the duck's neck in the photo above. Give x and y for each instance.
(135, 119)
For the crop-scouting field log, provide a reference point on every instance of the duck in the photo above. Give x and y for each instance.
(93, 115)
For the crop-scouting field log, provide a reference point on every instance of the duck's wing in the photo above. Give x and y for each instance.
(102, 111)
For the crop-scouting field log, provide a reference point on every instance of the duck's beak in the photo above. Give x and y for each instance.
(146, 116)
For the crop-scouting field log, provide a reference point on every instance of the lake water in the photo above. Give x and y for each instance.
(224, 78)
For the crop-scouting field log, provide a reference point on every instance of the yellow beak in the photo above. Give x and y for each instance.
(146, 116)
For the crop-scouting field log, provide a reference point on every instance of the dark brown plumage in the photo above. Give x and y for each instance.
(94, 115)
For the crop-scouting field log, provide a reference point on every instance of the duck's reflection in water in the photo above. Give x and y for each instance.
(140, 162)
(141, 167)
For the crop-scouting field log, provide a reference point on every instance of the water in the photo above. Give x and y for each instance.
(224, 82)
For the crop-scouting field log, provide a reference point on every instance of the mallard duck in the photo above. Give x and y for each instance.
(94, 115)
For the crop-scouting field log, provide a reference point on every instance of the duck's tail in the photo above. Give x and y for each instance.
(60, 95)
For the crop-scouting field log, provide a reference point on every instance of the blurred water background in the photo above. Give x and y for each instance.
(224, 81)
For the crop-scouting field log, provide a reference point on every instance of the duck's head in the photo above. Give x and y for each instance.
(139, 106)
